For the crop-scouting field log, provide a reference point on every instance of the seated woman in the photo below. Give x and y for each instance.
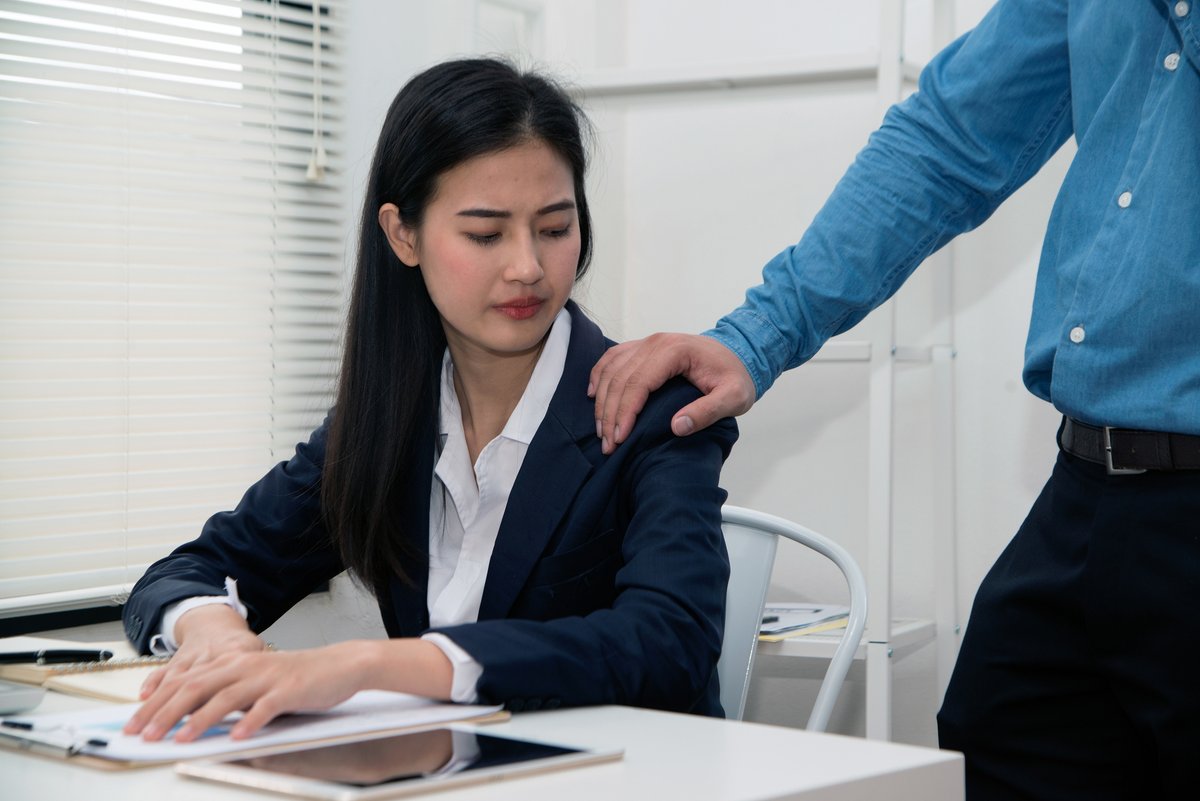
(459, 475)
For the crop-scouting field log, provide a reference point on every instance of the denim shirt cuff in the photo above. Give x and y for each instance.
(752, 338)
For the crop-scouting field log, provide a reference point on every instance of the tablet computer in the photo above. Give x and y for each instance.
(394, 765)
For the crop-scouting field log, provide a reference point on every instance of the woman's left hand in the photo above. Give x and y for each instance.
(265, 684)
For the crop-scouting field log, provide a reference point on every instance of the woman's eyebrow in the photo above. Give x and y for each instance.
(561, 205)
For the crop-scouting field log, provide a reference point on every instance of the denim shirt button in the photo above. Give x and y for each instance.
(1171, 61)
(1182, 9)
(1077, 334)
(1125, 199)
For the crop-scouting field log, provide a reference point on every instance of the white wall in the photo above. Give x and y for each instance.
(693, 191)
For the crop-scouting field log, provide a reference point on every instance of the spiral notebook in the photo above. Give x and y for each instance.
(116, 679)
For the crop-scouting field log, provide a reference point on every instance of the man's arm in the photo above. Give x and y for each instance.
(991, 109)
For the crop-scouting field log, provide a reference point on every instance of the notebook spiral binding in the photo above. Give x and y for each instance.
(108, 664)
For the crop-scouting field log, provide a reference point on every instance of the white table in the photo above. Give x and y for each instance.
(666, 756)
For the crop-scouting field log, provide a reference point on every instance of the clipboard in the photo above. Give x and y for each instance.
(93, 737)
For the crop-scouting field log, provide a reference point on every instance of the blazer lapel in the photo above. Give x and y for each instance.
(550, 476)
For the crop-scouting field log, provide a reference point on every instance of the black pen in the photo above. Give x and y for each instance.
(55, 656)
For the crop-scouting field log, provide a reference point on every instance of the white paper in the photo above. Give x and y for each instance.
(793, 617)
(365, 712)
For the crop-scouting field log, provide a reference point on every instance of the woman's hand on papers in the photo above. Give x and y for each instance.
(266, 684)
(204, 633)
(263, 683)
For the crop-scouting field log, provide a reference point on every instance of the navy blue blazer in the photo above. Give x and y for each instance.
(606, 586)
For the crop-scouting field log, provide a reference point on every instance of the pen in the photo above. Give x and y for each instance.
(28, 736)
(55, 656)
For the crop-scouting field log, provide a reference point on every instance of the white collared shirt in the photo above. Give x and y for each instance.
(467, 502)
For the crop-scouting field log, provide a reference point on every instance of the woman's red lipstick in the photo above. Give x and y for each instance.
(521, 308)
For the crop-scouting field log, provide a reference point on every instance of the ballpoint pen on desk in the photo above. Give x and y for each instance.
(55, 740)
(55, 656)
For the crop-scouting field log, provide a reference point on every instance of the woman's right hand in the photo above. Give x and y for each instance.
(203, 634)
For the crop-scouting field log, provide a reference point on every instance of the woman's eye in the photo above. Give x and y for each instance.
(558, 233)
(483, 239)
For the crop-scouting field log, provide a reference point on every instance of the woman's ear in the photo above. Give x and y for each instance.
(402, 237)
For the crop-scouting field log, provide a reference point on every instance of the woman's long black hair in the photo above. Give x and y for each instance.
(387, 397)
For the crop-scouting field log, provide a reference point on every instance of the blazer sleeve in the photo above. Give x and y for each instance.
(273, 543)
(658, 642)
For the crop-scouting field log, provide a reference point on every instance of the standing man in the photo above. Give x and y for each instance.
(1079, 673)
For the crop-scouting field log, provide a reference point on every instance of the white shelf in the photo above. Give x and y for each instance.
(623, 82)
(907, 634)
(666, 80)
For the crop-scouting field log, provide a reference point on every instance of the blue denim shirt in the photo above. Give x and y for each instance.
(1114, 337)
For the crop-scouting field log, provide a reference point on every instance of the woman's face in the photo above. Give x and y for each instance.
(498, 249)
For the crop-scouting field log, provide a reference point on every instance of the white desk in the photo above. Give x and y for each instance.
(666, 756)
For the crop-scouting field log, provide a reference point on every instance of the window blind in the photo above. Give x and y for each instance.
(171, 254)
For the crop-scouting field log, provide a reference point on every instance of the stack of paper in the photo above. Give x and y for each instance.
(781, 621)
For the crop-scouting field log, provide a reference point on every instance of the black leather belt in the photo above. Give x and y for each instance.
(1127, 450)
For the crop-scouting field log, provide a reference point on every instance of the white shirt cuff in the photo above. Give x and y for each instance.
(164, 643)
(466, 670)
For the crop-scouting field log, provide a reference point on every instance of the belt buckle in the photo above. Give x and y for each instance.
(1108, 462)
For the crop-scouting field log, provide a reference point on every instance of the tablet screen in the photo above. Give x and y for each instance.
(404, 757)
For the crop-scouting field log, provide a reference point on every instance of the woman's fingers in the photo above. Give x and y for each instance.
(179, 691)
(152, 681)
(265, 709)
(229, 699)
(206, 693)
(262, 684)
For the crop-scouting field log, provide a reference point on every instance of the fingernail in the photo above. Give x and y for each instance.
(151, 732)
(591, 390)
(617, 433)
(184, 734)
(604, 446)
(683, 426)
(599, 430)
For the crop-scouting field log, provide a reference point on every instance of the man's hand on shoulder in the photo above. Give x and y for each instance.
(627, 374)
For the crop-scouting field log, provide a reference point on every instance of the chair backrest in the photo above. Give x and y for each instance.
(751, 539)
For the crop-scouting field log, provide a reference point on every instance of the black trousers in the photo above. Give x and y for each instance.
(1079, 672)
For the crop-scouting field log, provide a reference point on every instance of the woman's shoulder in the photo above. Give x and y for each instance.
(654, 420)
(665, 402)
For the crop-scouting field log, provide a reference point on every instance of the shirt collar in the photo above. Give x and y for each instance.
(525, 419)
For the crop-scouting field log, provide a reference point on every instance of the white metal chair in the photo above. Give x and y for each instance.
(751, 538)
